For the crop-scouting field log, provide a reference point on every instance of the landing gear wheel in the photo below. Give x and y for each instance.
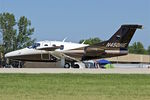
(67, 65)
(76, 66)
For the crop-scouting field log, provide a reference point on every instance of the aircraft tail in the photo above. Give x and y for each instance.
(117, 45)
(121, 38)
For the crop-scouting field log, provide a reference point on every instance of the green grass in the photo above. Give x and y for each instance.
(74, 87)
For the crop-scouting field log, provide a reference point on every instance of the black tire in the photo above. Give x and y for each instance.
(67, 65)
(76, 66)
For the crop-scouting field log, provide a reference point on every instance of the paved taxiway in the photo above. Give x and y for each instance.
(91, 71)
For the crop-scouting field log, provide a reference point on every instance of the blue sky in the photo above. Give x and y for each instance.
(81, 19)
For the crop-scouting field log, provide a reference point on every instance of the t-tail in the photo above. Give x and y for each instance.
(123, 36)
(117, 45)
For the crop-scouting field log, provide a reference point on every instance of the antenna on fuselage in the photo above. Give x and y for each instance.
(64, 39)
(83, 42)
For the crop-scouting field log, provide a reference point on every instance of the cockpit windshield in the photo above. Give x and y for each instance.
(34, 46)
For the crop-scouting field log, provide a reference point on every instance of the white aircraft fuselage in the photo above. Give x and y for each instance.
(37, 51)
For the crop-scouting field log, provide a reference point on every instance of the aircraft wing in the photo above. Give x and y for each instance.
(49, 48)
(60, 55)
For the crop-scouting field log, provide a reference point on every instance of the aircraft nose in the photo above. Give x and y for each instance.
(11, 54)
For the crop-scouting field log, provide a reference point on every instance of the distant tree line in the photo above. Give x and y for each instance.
(135, 48)
(138, 48)
(91, 41)
(14, 34)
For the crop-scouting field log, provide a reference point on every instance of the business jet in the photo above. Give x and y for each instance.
(70, 53)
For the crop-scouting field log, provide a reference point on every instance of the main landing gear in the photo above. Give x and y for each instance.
(67, 64)
(74, 65)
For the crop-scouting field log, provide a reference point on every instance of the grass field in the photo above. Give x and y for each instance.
(74, 87)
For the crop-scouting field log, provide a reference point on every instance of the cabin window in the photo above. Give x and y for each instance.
(45, 44)
(54, 45)
(61, 47)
